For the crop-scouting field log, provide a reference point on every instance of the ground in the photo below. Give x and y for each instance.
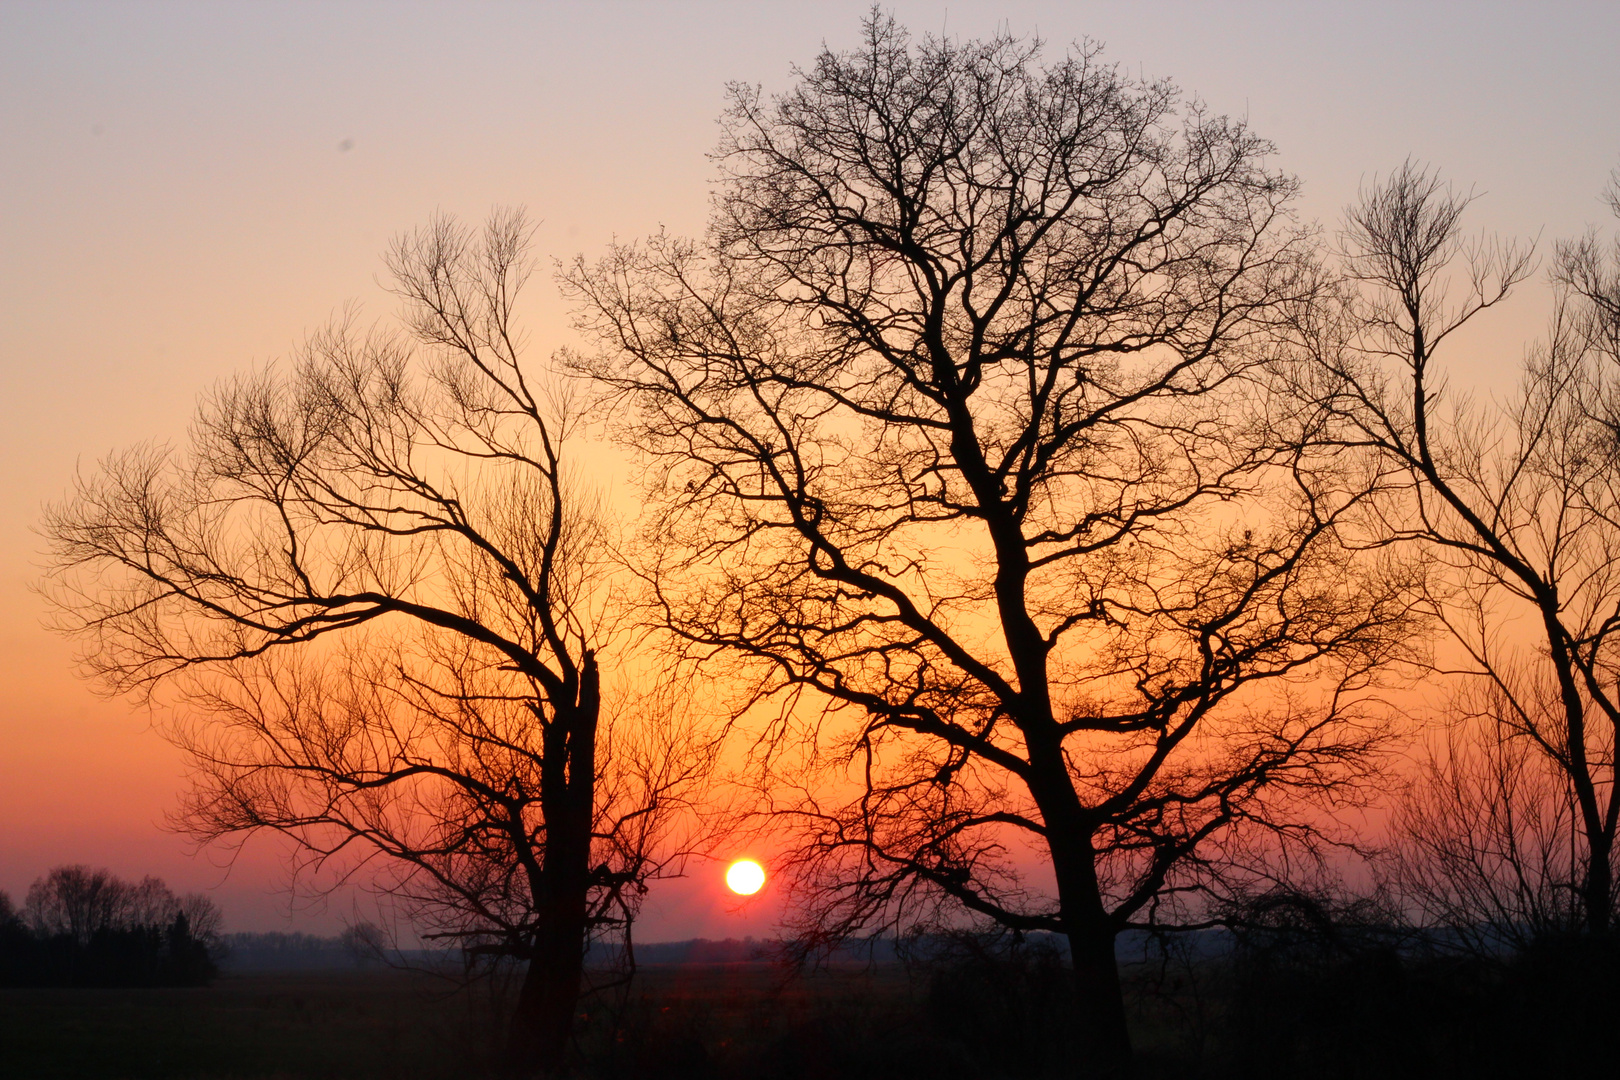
(971, 1018)
(299, 1026)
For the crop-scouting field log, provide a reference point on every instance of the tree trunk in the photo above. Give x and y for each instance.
(1100, 1005)
(1598, 891)
(1105, 1039)
(544, 1017)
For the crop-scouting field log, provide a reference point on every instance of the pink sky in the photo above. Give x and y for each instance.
(186, 188)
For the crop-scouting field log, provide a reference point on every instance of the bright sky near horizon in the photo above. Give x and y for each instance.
(186, 188)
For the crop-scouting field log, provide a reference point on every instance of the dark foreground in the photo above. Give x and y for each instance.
(730, 1021)
(285, 1026)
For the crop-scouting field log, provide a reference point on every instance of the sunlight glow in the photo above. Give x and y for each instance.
(745, 877)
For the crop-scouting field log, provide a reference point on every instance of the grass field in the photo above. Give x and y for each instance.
(680, 1022)
(285, 1026)
(1353, 1021)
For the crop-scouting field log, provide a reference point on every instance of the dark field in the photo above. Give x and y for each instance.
(287, 1026)
(682, 1020)
(732, 1021)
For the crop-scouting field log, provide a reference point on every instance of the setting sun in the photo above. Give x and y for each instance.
(745, 877)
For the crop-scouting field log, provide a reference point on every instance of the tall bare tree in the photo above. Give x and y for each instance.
(1519, 503)
(381, 601)
(961, 429)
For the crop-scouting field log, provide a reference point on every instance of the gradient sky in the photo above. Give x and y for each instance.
(185, 189)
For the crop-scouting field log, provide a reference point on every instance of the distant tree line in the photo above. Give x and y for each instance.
(361, 945)
(83, 927)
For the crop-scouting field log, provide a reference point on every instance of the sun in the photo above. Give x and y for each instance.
(745, 877)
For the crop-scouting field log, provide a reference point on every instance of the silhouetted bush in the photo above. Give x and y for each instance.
(1340, 990)
(1548, 1010)
(1005, 1002)
(1317, 986)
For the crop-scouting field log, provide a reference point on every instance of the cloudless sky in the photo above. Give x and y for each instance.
(186, 188)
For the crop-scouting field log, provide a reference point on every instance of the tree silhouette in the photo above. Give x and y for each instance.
(1519, 507)
(964, 441)
(381, 602)
(90, 927)
(1485, 837)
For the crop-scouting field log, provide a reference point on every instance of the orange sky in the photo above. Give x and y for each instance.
(186, 188)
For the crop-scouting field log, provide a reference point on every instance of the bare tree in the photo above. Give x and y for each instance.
(1519, 504)
(381, 601)
(961, 428)
(78, 902)
(1486, 847)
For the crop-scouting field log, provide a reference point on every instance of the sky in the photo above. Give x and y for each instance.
(187, 188)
